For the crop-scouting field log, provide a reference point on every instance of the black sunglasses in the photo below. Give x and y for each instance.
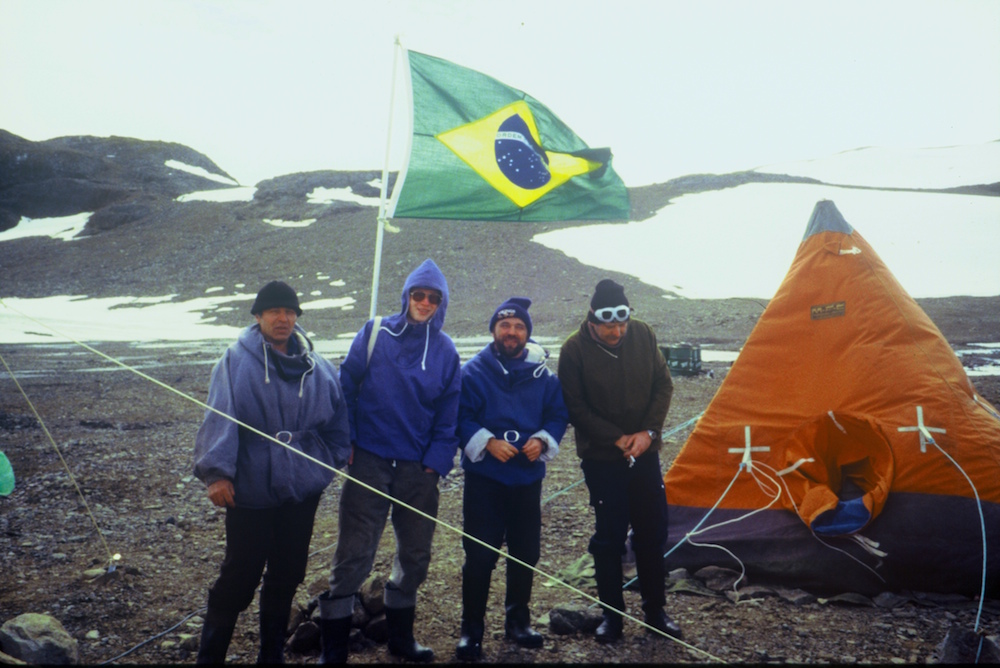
(420, 295)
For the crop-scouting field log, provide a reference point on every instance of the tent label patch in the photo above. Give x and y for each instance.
(824, 311)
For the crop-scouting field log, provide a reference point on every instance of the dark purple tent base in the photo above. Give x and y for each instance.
(933, 544)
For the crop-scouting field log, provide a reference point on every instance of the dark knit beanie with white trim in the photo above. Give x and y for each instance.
(515, 307)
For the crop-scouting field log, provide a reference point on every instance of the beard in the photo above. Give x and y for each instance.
(511, 346)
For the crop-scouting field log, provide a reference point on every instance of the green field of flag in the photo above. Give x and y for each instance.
(482, 150)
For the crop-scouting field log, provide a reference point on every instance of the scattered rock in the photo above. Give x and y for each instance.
(796, 596)
(961, 645)
(888, 599)
(848, 599)
(572, 619)
(717, 578)
(377, 630)
(305, 639)
(38, 639)
(372, 594)
(689, 585)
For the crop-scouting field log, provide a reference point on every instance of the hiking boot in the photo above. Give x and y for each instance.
(662, 622)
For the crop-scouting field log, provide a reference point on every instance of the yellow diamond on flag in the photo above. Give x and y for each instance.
(505, 149)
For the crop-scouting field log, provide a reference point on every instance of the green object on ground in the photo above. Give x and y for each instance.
(6, 475)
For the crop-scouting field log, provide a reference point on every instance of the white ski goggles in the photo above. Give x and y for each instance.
(613, 313)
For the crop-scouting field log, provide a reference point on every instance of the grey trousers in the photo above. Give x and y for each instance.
(363, 514)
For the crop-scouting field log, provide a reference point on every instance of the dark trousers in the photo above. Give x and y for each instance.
(622, 496)
(277, 538)
(492, 513)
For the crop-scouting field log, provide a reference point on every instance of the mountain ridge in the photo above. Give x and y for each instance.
(141, 241)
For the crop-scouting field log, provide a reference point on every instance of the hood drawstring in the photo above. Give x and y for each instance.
(427, 345)
(306, 346)
(427, 341)
(312, 365)
(267, 377)
(536, 355)
(500, 364)
(304, 343)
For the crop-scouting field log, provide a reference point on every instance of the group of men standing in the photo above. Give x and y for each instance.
(399, 409)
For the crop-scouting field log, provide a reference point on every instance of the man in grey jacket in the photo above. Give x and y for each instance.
(273, 381)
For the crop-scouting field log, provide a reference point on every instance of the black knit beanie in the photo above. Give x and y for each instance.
(274, 295)
(608, 293)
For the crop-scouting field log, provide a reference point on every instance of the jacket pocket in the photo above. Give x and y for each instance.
(293, 477)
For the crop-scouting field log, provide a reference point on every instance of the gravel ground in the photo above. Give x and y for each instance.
(127, 443)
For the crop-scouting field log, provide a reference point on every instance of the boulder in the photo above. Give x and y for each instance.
(717, 578)
(38, 639)
(573, 618)
(963, 645)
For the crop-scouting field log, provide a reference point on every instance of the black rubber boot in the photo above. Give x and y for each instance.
(470, 645)
(608, 573)
(335, 635)
(518, 627)
(215, 636)
(475, 593)
(399, 623)
(662, 622)
(273, 630)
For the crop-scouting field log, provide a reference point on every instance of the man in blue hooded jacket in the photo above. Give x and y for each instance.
(272, 380)
(402, 385)
(510, 421)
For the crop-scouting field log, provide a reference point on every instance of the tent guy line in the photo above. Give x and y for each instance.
(345, 476)
(112, 558)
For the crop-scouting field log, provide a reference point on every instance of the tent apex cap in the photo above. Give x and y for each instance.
(826, 218)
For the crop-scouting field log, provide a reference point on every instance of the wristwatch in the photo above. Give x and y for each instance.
(652, 434)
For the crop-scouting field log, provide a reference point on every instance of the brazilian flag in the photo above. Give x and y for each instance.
(484, 151)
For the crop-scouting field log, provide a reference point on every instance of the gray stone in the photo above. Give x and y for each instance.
(305, 639)
(796, 596)
(377, 629)
(848, 599)
(962, 645)
(756, 591)
(39, 639)
(372, 594)
(573, 618)
(888, 599)
(360, 617)
(718, 578)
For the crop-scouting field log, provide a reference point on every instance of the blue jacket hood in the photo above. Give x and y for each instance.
(427, 275)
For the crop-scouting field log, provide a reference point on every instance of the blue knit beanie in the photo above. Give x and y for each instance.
(515, 307)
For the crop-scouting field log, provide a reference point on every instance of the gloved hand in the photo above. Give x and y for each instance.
(221, 493)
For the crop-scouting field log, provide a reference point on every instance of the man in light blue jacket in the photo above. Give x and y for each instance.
(402, 382)
(272, 380)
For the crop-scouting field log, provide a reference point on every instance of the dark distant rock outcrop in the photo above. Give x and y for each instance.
(70, 175)
(288, 196)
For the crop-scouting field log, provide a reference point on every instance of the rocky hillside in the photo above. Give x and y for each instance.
(142, 241)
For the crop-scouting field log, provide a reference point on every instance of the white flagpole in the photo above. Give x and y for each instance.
(382, 221)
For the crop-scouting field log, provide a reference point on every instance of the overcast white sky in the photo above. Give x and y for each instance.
(267, 87)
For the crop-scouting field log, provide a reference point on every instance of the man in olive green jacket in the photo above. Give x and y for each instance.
(617, 388)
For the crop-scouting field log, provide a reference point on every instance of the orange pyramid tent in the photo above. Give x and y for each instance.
(846, 448)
